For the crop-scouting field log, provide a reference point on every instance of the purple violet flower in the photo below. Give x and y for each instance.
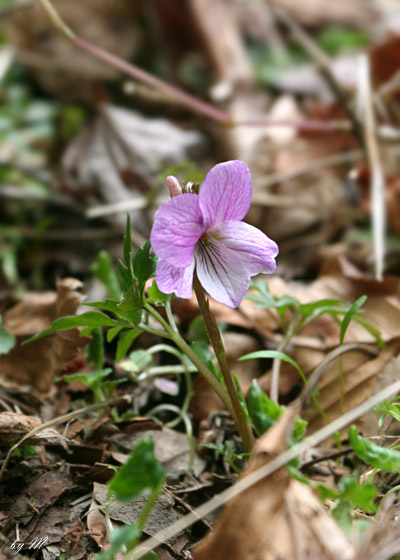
(205, 231)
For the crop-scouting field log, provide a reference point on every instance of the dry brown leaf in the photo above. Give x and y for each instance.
(119, 157)
(277, 518)
(34, 366)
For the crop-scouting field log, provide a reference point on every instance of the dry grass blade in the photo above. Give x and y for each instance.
(377, 178)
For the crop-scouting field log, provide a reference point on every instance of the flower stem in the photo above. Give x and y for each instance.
(193, 357)
(216, 341)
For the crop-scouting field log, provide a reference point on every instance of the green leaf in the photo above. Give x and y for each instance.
(7, 341)
(108, 386)
(88, 319)
(373, 454)
(131, 306)
(140, 473)
(263, 411)
(156, 295)
(274, 354)
(113, 333)
(104, 271)
(125, 276)
(360, 495)
(128, 246)
(95, 348)
(202, 350)
(343, 515)
(242, 400)
(349, 316)
(91, 380)
(266, 300)
(120, 537)
(144, 265)
(311, 311)
(107, 305)
(126, 339)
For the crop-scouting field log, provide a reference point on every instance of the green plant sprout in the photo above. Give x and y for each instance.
(140, 474)
(294, 316)
(228, 453)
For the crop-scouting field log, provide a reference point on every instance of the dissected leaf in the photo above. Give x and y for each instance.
(144, 264)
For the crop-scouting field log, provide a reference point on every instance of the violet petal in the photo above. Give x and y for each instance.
(220, 273)
(225, 193)
(176, 230)
(255, 251)
(171, 279)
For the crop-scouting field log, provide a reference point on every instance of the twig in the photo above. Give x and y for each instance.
(377, 177)
(257, 475)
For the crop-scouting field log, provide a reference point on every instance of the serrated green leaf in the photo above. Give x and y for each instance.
(156, 295)
(131, 306)
(7, 341)
(125, 276)
(373, 454)
(125, 341)
(140, 473)
(144, 265)
(88, 319)
(104, 271)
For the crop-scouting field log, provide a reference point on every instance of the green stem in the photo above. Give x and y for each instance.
(170, 315)
(276, 365)
(216, 341)
(201, 367)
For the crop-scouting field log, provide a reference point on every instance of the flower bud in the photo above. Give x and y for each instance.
(173, 185)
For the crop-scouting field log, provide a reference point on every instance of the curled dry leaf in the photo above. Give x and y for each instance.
(34, 366)
(119, 156)
(276, 518)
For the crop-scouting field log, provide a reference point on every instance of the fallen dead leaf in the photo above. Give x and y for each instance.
(277, 518)
(14, 426)
(119, 156)
(33, 367)
(171, 449)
